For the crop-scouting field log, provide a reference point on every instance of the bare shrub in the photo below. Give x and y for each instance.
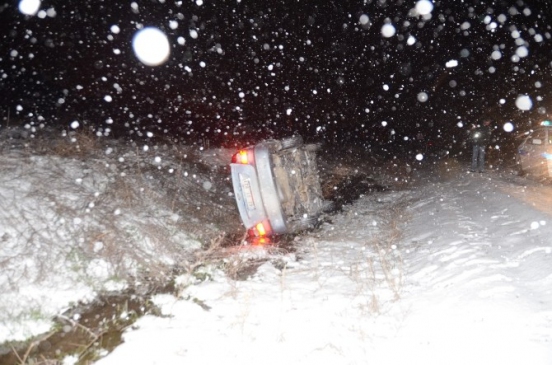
(78, 144)
(129, 216)
(386, 245)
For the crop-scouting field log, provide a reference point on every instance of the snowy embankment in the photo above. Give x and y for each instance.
(82, 218)
(455, 272)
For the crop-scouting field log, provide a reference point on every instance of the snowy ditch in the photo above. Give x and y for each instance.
(82, 218)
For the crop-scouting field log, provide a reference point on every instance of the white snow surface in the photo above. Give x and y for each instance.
(454, 270)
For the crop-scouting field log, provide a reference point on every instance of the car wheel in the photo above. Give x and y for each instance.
(291, 142)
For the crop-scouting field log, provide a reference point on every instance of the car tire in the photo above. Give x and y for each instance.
(291, 142)
(303, 224)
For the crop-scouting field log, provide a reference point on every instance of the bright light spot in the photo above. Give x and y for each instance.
(386, 87)
(151, 46)
(524, 102)
(207, 185)
(411, 40)
(75, 124)
(522, 51)
(157, 159)
(193, 33)
(460, 124)
(202, 64)
(115, 29)
(424, 7)
(538, 84)
(422, 97)
(508, 127)
(496, 55)
(502, 101)
(364, 20)
(108, 98)
(535, 225)
(29, 7)
(451, 63)
(384, 123)
(288, 111)
(419, 157)
(51, 12)
(181, 41)
(388, 30)
(241, 94)
(173, 24)
(465, 26)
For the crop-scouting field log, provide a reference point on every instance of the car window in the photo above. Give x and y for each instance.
(538, 137)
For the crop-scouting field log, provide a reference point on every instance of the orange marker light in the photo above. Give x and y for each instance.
(261, 230)
(242, 157)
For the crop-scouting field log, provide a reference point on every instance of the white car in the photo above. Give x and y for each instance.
(276, 186)
(535, 152)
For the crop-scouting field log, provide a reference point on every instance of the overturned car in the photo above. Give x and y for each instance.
(277, 187)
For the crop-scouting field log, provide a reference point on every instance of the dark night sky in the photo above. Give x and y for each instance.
(313, 57)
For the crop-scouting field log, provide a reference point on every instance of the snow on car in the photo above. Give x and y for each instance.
(535, 152)
(277, 187)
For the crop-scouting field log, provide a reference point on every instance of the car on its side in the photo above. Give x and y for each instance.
(277, 187)
(534, 155)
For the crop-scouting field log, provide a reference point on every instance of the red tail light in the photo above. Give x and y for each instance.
(241, 157)
(261, 241)
(261, 230)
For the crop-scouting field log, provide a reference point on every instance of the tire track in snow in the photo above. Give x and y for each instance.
(481, 246)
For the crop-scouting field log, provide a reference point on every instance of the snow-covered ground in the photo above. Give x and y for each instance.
(456, 271)
(455, 268)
